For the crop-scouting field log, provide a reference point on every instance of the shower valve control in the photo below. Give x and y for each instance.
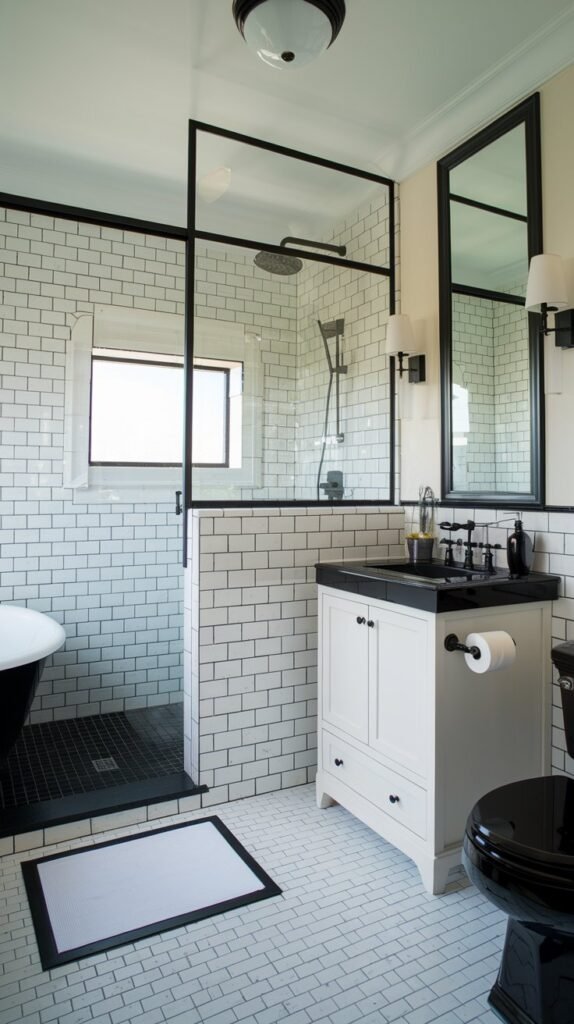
(566, 683)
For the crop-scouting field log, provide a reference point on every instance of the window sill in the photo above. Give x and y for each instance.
(114, 485)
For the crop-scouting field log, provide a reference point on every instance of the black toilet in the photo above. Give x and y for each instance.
(519, 852)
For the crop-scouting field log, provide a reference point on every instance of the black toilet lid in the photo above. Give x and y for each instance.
(530, 820)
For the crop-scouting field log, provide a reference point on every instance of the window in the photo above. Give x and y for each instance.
(124, 405)
(136, 409)
(217, 413)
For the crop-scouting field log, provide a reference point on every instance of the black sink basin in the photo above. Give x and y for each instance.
(434, 586)
(426, 570)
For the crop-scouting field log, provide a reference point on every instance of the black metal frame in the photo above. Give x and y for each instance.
(206, 236)
(527, 113)
(106, 220)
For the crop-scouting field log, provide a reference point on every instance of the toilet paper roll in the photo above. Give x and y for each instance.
(497, 651)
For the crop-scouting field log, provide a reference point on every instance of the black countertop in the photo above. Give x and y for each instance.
(481, 590)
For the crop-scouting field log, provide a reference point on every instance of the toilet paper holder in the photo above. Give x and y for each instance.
(452, 643)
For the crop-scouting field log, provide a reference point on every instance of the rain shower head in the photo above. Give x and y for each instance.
(283, 263)
(277, 263)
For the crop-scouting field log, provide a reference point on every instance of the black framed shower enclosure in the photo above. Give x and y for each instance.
(224, 238)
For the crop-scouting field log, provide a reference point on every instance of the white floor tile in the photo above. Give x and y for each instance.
(353, 938)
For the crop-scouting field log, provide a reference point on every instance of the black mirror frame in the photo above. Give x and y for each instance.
(527, 113)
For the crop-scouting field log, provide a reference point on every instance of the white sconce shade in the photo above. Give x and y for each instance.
(289, 33)
(400, 335)
(546, 283)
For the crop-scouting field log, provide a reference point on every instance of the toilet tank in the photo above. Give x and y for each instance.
(563, 658)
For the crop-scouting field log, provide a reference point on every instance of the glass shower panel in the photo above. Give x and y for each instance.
(343, 389)
(247, 192)
(311, 419)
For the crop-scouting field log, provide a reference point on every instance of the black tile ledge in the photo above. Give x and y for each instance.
(112, 800)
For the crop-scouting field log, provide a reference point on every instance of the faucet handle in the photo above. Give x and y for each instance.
(448, 555)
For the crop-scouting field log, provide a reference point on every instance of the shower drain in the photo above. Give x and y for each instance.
(105, 764)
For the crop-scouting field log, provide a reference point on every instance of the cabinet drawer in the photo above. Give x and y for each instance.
(376, 783)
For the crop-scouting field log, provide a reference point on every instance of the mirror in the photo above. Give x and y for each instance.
(490, 224)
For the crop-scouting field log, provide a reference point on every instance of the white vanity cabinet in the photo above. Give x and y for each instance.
(409, 737)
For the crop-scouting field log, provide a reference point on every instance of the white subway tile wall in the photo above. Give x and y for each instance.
(362, 301)
(553, 537)
(109, 572)
(283, 312)
(512, 398)
(251, 638)
(230, 288)
(490, 359)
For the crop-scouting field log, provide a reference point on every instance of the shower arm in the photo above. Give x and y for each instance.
(341, 250)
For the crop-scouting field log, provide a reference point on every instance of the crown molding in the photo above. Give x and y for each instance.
(526, 68)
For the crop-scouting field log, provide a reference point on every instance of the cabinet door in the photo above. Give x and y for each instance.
(345, 665)
(400, 668)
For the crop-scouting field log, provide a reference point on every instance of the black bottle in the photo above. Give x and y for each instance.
(519, 550)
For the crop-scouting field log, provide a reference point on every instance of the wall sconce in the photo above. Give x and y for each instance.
(546, 292)
(400, 342)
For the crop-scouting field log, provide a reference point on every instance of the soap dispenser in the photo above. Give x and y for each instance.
(519, 550)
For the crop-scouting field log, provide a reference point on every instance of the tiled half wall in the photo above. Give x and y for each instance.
(250, 638)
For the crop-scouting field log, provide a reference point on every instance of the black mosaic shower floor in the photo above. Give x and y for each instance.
(58, 759)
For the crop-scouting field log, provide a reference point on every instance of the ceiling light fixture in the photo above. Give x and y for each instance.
(289, 33)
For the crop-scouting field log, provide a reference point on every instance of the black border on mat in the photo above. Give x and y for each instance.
(49, 955)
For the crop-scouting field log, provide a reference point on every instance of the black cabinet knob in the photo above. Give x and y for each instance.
(370, 623)
(339, 762)
(361, 620)
(394, 799)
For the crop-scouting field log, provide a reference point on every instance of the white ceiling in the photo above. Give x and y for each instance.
(95, 94)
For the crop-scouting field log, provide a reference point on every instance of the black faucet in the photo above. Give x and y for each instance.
(469, 545)
(488, 556)
(448, 555)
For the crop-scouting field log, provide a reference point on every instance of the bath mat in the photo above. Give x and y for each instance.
(89, 900)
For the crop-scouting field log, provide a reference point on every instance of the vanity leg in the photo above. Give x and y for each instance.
(434, 873)
(323, 799)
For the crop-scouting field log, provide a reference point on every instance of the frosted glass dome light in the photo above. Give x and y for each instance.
(289, 33)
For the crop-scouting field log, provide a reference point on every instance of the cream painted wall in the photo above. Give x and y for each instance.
(557, 104)
(420, 424)
(419, 405)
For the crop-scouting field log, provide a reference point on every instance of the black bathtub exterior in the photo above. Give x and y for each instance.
(17, 689)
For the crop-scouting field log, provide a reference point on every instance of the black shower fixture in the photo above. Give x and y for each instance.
(333, 488)
(284, 263)
(289, 33)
